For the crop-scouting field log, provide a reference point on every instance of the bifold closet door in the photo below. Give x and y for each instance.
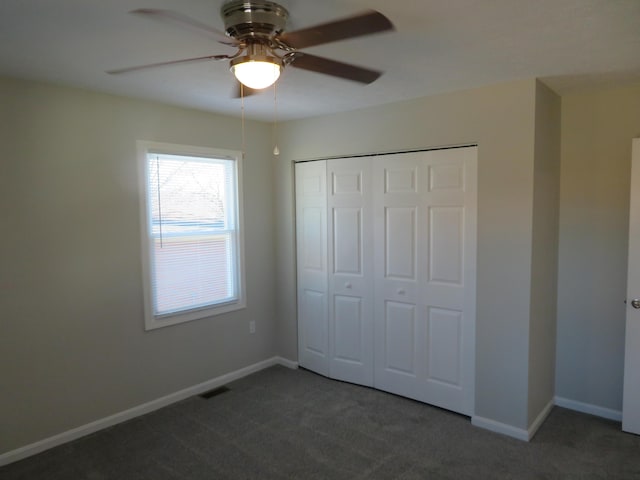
(335, 268)
(386, 254)
(425, 255)
(312, 263)
(350, 253)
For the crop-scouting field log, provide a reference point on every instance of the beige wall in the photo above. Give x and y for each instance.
(501, 120)
(72, 344)
(544, 257)
(597, 128)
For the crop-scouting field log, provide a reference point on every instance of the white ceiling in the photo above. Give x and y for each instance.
(438, 46)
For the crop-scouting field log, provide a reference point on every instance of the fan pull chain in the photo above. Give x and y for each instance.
(276, 150)
(242, 119)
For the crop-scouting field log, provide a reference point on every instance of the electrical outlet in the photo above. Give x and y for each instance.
(252, 326)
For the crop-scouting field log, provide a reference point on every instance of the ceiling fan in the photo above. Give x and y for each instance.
(256, 28)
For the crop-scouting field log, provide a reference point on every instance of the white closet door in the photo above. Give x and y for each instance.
(425, 256)
(399, 321)
(311, 238)
(350, 253)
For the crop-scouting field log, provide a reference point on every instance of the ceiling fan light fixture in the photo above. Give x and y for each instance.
(257, 28)
(256, 72)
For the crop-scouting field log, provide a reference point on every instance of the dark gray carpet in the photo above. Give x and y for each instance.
(293, 424)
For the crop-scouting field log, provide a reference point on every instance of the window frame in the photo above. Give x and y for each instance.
(151, 320)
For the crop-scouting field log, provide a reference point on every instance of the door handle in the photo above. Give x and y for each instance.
(635, 303)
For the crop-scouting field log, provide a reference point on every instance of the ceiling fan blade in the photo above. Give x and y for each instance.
(185, 21)
(364, 23)
(163, 64)
(240, 90)
(337, 69)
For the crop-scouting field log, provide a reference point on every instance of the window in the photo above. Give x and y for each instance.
(192, 235)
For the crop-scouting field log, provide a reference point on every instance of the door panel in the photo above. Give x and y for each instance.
(400, 178)
(446, 177)
(400, 243)
(399, 338)
(313, 223)
(313, 309)
(347, 240)
(449, 290)
(446, 244)
(351, 274)
(311, 233)
(631, 395)
(444, 346)
(347, 332)
(399, 321)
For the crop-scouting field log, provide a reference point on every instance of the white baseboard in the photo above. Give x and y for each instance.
(510, 430)
(503, 428)
(527, 435)
(542, 416)
(75, 433)
(287, 363)
(589, 408)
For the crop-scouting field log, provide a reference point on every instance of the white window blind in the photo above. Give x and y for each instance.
(192, 234)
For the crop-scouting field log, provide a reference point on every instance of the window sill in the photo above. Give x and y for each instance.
(154, 322)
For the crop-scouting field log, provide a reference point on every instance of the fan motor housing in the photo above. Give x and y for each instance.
(244, 19)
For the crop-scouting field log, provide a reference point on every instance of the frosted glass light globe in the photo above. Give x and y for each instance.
(256, 74)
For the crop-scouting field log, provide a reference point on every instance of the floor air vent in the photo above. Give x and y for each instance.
(215, 392)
